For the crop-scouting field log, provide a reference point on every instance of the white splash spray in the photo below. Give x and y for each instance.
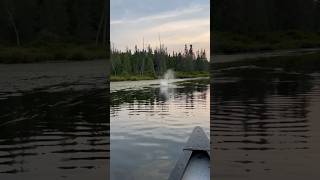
(165, 83)
(167, 78)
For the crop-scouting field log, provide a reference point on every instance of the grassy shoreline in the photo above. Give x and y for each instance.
(50, 52)
(224, 43)
(305, 63)
(179, 75)
(231, 42)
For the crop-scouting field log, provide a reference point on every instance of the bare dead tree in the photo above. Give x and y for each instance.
(13, 24)
(102, 28)
(99, 30)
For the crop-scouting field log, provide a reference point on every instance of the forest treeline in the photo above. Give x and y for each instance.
(22, 22)
(265, 24)
(40, 30)
(266, 15)
(153, 63)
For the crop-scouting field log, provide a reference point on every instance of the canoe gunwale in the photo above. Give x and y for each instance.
(197, 142)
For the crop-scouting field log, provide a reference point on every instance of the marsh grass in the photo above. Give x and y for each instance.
(178, 74)
(307, 63)
(131, 78)
(193, 74)
(229, 42)
(50, 52)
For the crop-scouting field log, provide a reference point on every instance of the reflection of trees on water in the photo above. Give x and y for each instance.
(255, 113)
(62, 119)
(152, 96)
(51, 110)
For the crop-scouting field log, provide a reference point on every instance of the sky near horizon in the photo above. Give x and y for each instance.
(176, 22)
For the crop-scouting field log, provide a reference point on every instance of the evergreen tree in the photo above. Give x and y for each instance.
(157, 62)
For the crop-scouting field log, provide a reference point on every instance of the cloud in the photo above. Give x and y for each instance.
(194, 39)
(123, 9)
(163, 15)
(182, 25)
(185, 23)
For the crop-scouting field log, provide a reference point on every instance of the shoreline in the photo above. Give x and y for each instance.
(123, 85)
(178, 75)
(302, 63)
(228, 42)
(51, 52)
(216, 58)
(223, 58)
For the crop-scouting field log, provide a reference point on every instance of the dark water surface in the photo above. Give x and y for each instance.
(151, 123)
(53, 121)
(265, 123)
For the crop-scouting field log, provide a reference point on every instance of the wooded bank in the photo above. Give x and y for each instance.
(154, 63)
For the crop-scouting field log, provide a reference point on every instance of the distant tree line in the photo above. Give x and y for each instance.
(262, 25)
(155, 62)
(247, 16)
(25, 21)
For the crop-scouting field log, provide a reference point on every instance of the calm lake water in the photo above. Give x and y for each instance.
(151, 123)
(265, 123)
(53, 121)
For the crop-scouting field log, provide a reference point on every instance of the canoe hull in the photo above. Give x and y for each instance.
(194, 161)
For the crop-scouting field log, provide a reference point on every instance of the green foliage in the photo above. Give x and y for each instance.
(41, 30)
(231, 42)
(131, 78)
(259, 25)
(193, 74)
(49, 52)
(178, 74)
(76, 21)
(149, 63)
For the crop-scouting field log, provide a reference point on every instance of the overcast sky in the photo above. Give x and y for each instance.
(178, 22)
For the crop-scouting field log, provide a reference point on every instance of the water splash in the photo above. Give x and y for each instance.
(165, 89)
(167, 78)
